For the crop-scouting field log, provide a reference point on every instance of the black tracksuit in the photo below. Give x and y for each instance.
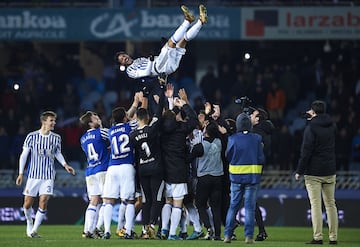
(173, 146)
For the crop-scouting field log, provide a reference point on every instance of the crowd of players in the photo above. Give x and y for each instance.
(164, 149)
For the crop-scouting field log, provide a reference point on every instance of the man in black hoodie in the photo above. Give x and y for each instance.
(317, 164)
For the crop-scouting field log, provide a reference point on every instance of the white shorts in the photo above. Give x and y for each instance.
(168, 60)
(36, 187)
(95, 184)
(120, 182)
(176, 191)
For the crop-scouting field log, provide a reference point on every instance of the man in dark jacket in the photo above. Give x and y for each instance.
(317, 164)
(263, 126)
(174, 131)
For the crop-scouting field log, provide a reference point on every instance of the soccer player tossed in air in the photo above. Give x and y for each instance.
(171, 53)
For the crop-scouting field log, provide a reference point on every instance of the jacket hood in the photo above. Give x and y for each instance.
(243, 123)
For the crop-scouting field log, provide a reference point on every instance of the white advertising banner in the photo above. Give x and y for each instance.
(296, 23)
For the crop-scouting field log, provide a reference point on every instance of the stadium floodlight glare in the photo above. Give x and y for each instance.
(327, 46)
(16, 86)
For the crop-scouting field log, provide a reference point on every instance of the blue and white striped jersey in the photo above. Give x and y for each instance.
(122, 151)
(95, 143)
(141, 67)
(43, 149)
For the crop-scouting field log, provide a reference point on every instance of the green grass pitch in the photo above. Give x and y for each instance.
(70, 236)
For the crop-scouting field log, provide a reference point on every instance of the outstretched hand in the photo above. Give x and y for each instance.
(183, 96)
(69, 169)
(169, 93)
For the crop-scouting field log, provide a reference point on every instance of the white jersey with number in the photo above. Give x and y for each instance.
(43, 150)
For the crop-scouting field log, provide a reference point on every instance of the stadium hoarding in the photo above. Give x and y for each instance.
(107, 24)
(300, 23)
(275, 211)
(147, 24)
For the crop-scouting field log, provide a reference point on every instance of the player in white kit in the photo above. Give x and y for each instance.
(43, 146)
(171, 53)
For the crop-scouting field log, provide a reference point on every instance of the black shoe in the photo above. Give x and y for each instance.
(35, 235)
(261, 236)
(127, 236)
(183, 235)
(106, 235)
(315, 242)
(332, 242)
(98, 233)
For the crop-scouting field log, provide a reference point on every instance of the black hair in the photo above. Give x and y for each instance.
(318, 106)
(118, 115)
(212, 129)
(142, 114)
(116, 56)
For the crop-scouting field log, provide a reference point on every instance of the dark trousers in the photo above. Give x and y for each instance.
(208, 190)
(153, 188)
(259, 219)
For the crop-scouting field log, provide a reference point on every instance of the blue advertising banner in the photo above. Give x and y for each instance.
(110, 24)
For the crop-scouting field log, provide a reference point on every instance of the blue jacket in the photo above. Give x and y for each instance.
(245, 155)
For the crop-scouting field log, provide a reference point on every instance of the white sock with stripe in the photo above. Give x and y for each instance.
(40, 215)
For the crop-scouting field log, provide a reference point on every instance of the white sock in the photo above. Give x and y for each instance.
(108, 208)
(193, 31)
(29, 220)
(165, 216)
(194, 218)
(180, 32)
(183, 221)
(211, 218)
(175, 220)
(100, 220)
(90, 219)
(40, 215)
(121, 216)
(129, 217)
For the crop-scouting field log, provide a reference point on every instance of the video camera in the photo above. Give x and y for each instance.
(244, 102)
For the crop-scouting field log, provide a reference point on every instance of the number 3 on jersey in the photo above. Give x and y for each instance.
(123, 140)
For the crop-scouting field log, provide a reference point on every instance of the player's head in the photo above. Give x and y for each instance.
(254, 115)
(48, 119)
(212, 130)
(318, 106)
(118, 115)
(90, 120)
(123, 59)
(143, 115)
